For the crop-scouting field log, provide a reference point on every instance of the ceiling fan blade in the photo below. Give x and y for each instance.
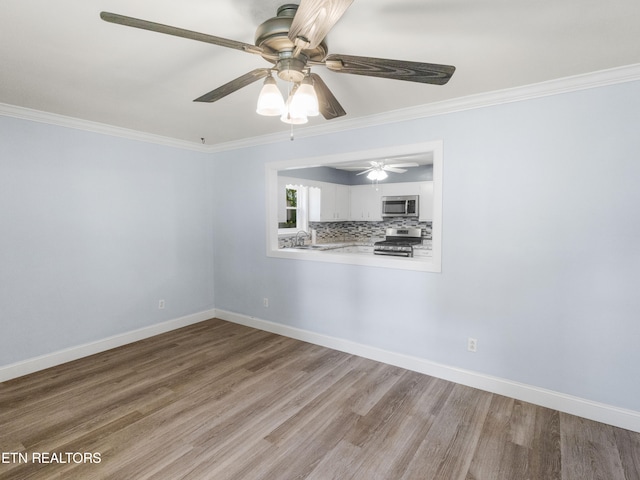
(314, 19)
(233, 85)
(178, 32)
(366, 171)
(393, 169)
(401, 165)
(327, 103)
(393, 69)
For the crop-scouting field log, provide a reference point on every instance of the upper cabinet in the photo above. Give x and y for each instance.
(342, 202)
(328, 202)
(331, 202)
(425, 190)
(366, 203)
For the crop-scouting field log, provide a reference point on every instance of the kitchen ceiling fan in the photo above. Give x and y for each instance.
(294, 42)
(378, 170)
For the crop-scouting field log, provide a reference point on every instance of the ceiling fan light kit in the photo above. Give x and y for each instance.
(294, 112)
(301, 103)
(270, 101)
(294, 41)
(377, 175)
(308, 96)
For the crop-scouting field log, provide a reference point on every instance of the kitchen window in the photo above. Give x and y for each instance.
(293, 207)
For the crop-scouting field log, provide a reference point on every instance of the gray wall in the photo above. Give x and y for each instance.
(320, 174)
(540, 258)
(422, 173)
(94, 231)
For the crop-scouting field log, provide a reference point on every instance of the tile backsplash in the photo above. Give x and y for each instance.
(366, 232)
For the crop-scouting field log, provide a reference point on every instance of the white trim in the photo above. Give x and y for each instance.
(613, 76)
(602, 78)
(96, 127)
(600, 412)
(42, 362)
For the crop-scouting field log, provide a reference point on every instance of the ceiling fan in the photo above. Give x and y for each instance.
(378, 170)
(294, 41)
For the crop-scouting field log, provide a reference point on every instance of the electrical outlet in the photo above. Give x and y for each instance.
(265, 302)
(472, 344)
(160, 304)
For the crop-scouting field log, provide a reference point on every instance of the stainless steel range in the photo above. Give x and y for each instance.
(398, 242)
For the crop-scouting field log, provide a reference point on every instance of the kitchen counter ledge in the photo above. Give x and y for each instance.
(359, 253)
(361, 248)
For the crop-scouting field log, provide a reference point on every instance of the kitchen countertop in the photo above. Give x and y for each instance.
(329, 246)
(356, 252)
(323, 247)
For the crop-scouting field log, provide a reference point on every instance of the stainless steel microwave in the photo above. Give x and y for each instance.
(401, 206)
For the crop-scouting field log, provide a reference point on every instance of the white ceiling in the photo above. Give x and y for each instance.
(60, 57)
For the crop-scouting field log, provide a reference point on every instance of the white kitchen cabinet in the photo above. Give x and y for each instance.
(315, 195)
(402, 188)
(426, 201)
(342, 202)
(330, 202)
(327, 203)
(365, 203)
(333, 202)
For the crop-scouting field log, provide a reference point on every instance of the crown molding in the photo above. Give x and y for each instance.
(560, 86)
(95, 127)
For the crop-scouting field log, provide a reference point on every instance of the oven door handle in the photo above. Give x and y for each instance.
(393, 254)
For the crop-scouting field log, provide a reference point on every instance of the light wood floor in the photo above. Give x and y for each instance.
(222, 401)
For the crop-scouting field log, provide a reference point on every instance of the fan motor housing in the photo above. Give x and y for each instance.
(273, 36)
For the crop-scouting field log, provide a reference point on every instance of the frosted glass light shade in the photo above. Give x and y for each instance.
(294, 112)
(377, 175)
(270, 102)
(307, 96)
(292, 119)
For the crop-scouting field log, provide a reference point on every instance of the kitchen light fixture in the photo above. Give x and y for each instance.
(377, 174)
(303, 103)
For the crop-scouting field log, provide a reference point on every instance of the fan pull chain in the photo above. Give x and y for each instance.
(288, 99)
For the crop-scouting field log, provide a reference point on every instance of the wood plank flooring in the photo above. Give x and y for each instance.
(222, 401)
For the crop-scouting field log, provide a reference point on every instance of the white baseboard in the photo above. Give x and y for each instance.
(619, 417)
(69, 354)
(599, 412)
